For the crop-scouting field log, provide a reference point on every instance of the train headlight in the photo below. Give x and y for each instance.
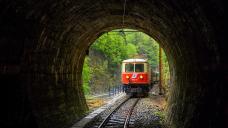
(141, 77)
(127, 76)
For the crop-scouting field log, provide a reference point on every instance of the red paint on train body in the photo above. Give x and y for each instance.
(135, 78)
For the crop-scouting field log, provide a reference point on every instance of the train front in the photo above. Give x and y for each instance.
(136, 76)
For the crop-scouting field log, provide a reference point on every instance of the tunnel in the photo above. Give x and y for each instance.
(43, 45)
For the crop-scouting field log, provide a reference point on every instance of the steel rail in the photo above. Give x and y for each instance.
(107, 117)
(104, 122)
(129, 114)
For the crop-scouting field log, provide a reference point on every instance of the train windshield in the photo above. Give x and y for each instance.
(139, 67)
(129, 68)
(134, 67)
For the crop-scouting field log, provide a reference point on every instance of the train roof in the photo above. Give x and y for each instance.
(134, 60)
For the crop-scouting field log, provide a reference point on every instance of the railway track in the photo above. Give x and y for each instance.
(119, 117)
(129, 113)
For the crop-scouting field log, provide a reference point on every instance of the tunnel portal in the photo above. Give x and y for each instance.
(43, 46)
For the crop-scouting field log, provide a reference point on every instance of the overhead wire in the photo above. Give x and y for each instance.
(124, 11)
(123, 20)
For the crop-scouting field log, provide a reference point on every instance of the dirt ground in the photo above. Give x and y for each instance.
(94, 103)
(156, 99)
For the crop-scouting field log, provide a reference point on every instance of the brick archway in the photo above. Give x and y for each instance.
(43, 46)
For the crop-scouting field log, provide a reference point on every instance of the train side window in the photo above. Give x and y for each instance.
(129, 68)
(139, 67)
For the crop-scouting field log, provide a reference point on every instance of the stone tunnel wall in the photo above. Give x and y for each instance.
(43, 44)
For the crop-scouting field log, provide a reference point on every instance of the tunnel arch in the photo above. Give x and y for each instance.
(44, 45)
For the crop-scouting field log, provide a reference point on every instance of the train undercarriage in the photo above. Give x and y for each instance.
(137, 90)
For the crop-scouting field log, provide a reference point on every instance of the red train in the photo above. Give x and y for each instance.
(137, 76)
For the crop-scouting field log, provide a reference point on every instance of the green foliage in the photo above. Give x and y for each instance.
(161, 115)
(148, 47)
(118, 46)
(166, 72)
(112, 46)
(86, 76)
(131, 50)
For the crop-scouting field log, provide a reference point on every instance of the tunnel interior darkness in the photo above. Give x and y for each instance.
(43, 46)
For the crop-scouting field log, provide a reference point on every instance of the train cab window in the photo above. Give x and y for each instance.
(129, 68)
(139, 67)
